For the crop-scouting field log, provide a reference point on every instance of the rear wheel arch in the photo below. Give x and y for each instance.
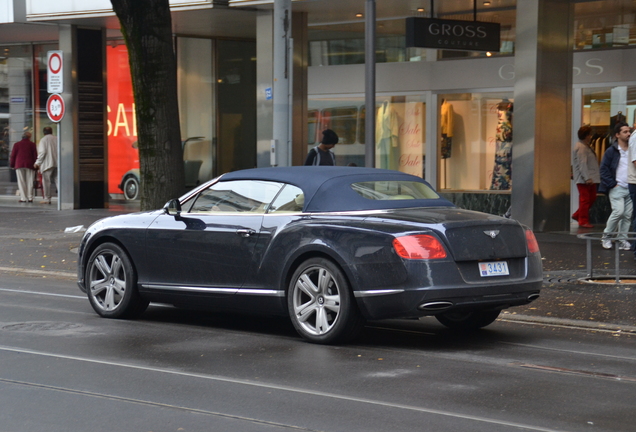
(315, 253)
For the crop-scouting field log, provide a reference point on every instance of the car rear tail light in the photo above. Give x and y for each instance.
(419, 247)
(533, 246)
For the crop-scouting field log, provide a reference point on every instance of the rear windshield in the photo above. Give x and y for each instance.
(394, 190)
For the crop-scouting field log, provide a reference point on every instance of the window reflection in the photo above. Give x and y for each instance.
(236, 196)
(400, 130)
(290, 200)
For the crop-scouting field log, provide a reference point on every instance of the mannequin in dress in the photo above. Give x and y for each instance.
(502, 171)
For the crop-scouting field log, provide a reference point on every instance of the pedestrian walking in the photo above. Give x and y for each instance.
(586, 175)
(22, 159)
(322, 154)
(47, 163)
(614, 167)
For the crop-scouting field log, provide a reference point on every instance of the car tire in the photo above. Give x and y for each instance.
(111, 283)
(467, 320)
(131, 188)
(321, 305)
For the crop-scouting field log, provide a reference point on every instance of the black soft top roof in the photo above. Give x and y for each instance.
(327, 188)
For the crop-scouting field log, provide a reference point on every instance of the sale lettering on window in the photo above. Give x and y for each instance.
(123, 156)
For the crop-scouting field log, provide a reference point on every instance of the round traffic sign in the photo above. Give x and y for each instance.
(55, 63)
(55, 107)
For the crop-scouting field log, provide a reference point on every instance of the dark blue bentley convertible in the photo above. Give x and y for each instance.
(328, 246)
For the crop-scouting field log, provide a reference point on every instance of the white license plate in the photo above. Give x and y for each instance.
(494, 268)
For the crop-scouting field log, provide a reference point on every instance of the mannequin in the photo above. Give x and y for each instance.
(387, 136)
(447, 128)
(502, 171)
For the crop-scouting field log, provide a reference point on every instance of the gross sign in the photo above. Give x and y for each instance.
(55, 108)
(452, 34)
(55, 72)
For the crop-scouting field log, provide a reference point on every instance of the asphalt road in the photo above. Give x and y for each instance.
(62, 368)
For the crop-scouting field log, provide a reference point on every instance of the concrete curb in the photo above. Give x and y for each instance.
(570, 323)
(40, 272)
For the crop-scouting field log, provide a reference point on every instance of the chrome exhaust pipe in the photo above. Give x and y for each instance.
(435, 306)
(532, 297)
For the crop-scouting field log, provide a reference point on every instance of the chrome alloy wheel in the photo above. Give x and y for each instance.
(107, 280)
(316, 300)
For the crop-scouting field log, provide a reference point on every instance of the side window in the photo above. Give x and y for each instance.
(290, 200)
(251, 196)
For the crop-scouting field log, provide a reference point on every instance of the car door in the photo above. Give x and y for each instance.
(209, 246)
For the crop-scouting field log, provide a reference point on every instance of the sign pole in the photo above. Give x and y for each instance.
(369, 84)
(57, 181)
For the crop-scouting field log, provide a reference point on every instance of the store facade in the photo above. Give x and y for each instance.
(492, 133)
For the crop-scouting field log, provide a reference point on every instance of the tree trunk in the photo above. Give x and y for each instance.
(147, 29)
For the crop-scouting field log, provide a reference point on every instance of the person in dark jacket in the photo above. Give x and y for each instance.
(322, 154)
(614, 183)
(23, 156)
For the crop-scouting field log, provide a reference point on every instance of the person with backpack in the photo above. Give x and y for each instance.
(322, 154)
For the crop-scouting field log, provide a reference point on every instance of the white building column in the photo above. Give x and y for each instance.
(282, 78)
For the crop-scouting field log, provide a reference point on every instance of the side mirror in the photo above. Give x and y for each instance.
(173, 207)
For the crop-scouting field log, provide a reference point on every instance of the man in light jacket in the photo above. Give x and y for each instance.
(47, 163)
(586, 175)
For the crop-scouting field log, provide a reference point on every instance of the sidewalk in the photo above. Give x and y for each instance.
(34, 242)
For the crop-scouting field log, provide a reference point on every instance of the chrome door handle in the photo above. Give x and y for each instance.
(245, 232)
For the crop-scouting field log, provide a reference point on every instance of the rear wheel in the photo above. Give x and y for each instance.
(111, 283)
(467, 320)
(321, 305)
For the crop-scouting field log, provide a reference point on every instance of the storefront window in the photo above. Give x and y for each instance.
(475, 141)
(400, 130)
(16, 106)
(123, 155)
(603, 108)
(196, 108)
(16, 109)
(601, 24)
(343, 44)
(195, 84)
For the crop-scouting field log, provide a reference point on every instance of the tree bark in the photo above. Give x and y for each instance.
(147, 29)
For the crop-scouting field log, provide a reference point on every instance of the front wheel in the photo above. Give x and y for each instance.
(131, 188)
(111, 283)
(467, 320)
(321, 305)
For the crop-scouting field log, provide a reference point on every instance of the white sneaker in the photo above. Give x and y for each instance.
(606, 243)
(624, 245)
